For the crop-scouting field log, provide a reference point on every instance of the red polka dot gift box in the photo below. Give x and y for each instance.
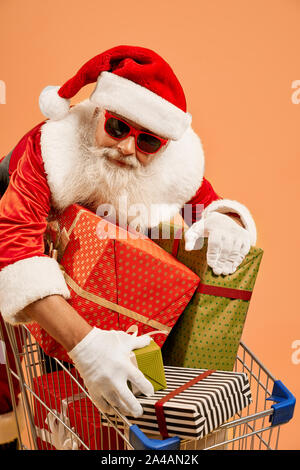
(65, 419)
(116, 278)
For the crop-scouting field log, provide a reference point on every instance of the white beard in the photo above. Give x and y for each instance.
(80, 172)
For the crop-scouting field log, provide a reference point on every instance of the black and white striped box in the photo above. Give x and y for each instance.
(199, 409)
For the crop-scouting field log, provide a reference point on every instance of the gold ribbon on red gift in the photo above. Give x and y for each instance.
(56, 250)
(113, 306)
(159, 410)
(56, 240)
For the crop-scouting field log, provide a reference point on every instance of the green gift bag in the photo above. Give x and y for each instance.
(208, 332)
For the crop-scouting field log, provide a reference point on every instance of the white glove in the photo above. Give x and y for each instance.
(102, 359)
(228, 242)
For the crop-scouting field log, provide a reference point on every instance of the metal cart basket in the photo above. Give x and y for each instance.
(257, 427)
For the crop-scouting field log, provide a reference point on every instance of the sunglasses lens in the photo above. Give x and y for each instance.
(116, 129)
(148, 143)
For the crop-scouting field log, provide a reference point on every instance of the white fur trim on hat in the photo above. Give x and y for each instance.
(140, 105)
(26, 281)
(227, 205)
(52, 105)
(8, 423)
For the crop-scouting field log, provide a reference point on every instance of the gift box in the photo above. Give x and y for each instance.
(117, 278)
(195, 402)
(208, 332)
(70, 408)
(92, 428)
(149, 361)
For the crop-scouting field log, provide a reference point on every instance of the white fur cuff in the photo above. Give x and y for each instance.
(25, 282)
(227, 205)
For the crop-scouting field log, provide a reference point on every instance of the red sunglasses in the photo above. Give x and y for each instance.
(119, 130)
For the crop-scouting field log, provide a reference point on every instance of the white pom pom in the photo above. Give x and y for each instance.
(52, 105)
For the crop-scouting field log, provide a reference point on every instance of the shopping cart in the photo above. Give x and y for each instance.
(257, 427)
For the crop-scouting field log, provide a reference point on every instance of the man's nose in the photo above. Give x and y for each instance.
(127, 146)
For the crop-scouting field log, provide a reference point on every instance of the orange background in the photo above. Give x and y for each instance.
(236, 61)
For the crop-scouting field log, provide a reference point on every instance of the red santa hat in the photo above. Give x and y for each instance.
(133, 82)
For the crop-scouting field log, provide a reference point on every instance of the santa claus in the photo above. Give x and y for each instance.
(131, 139)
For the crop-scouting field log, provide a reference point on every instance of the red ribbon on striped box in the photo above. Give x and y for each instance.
(159, 410)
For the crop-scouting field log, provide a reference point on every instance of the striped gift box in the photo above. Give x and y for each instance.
(199, 409)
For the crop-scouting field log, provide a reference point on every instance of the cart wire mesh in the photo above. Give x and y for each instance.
(72, 422)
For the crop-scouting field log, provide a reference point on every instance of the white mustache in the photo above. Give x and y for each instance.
(115, 154)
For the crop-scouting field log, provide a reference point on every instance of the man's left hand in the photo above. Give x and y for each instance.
(228, 242)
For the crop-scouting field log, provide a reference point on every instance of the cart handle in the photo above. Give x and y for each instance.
(284, 406)
(140, 441)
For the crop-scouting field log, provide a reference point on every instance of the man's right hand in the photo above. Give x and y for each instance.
(102, 359)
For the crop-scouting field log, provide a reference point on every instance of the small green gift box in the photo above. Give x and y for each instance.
(208, 332)
(149, 361)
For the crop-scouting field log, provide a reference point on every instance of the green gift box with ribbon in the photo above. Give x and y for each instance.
(149, 361)
(208, 332)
